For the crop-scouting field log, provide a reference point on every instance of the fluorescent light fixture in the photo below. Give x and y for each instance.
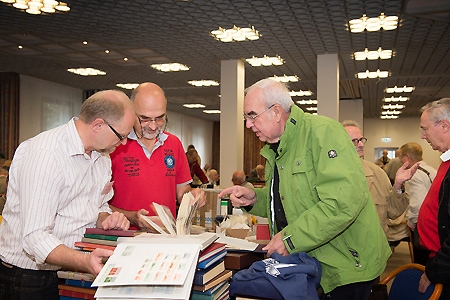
(87, 71)
(393, 106)
(285, 78)
(211, 111)
(396, 99)
(36, 7)
(376, 74)
(300, 93)
(170, 67)
(373, 55)
(404, 89)
(265, 61)
(307, 102)
(194, 105)
(235, 34)
(311, 108)
(389, 117)
(391, 112)
(128, 86)
(203, 82)
(373, 24)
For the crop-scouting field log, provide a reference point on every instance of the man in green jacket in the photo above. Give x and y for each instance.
(316, 196)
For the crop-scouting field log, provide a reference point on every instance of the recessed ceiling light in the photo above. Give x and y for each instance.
(300, 93)
(372, 55)
(391, 112)
(235, 34)
(373, 24)
(311, 108)
(87, 71)
(376, 74)
(85, 42)
(265, 61)
(285, 78)
(203, 82)
(393, 106)
(396, 99)
(404, 89)
(194, 105)
(107, 51)
(307, 102)
(128, 86)
(170, 67)
(211, 111)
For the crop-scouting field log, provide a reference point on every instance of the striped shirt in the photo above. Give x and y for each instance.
(55, 191)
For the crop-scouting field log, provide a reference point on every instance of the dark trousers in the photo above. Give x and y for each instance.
(23, 284)
(352, 291)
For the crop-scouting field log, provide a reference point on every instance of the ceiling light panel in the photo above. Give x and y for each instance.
(307, 102)
(404, 89)
(203, 82)
(396, 99)
(87, 71)
(300, 93)
(194, 105)
(373, 24)
(285, 78)
(211, 111)
(265, 61)
(373, 55)
(376, 74)
(128, 86)
(235, 34)
(170, 67)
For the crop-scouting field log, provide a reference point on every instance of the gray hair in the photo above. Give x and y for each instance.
(274, 92)
(438, 110)
(352, 123)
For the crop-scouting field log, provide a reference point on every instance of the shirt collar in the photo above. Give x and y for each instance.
(445, 156)
(75, 145)
(162, 137)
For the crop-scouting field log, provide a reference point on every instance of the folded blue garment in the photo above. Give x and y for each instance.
(296, 276)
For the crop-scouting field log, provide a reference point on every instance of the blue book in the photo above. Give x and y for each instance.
(82, 283)
(202, 276)
(210, 261)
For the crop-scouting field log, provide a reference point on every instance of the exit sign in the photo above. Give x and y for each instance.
(386, 139)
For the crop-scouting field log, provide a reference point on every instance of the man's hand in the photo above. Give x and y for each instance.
(239, 195)
(276, 244)
(95, 258)
(117, 221)
(424, 283)
(201, 197)
(403, 174)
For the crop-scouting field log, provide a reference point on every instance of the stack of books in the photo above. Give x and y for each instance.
(211, 278)
(98, 238)
(76, 285)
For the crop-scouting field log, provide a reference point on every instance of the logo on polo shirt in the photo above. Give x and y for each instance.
(169, 161)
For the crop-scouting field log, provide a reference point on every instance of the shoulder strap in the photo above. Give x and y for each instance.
(426, 172)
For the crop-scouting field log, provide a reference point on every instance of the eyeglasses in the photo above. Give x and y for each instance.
(425, 129)
(356, 141)
(158, 120)
(253, 117)
(121, 137)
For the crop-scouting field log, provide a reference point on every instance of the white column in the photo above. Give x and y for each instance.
(328, 85)
(232, 77)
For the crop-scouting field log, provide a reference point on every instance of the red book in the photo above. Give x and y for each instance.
(212, 249)
(129, 233)
(91, 246)
(76, 292)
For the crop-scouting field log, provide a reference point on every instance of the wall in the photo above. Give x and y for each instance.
(401, 131)
(39, 100)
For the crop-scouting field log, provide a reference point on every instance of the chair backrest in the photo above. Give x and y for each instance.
(406, 284)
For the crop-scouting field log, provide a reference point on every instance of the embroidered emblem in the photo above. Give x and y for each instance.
(332, 154)
(169, 161)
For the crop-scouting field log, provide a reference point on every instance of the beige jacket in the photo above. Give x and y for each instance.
(389, 203)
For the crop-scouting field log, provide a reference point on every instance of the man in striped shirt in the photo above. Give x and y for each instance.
(59, 184)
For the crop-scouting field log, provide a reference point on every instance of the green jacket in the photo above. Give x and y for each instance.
(328, 207)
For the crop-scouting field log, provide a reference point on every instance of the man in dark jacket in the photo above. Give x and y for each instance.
(433, 222)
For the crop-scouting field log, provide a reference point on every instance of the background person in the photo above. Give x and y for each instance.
(316, 197)
(59, 184)
(239, 179)
(383, 160)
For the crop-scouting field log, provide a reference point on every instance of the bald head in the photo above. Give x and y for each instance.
(238, 177)
(213, 175)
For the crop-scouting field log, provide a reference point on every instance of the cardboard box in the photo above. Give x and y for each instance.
(236, 233)
(239, 261)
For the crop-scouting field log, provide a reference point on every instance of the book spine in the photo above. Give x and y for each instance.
(80, 283)
(74, 294)
(101, 237)
(129, 233)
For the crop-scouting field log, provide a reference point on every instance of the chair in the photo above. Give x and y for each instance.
(406, 283)
(407, 239)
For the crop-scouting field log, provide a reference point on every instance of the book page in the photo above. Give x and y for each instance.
(166, 216)
(186, 212)
(143, 263)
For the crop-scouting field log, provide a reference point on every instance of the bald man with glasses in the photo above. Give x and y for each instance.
(152, 166)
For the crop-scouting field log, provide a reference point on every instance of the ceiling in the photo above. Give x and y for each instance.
(162, 31)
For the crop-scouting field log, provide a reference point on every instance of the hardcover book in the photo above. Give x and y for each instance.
(202, 276)
(225, 275)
